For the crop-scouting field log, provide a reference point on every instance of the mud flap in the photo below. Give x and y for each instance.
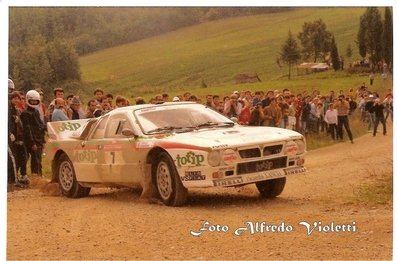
(148, 188)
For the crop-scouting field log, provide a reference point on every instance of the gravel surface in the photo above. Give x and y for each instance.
(117, 224)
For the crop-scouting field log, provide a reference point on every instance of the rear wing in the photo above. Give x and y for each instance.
(60, 130)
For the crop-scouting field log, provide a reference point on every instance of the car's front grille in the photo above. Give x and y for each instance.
(270, 150)
(250, 153)
(261, 165)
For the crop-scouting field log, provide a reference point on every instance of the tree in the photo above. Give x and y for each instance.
(349, 51)
(388, 37)
(334, 55)
(315, 40)
(369, 37)
(290, 52)
(362, 48)
(64, 61)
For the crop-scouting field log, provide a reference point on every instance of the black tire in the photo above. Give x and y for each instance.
(167, 181)
(67, 179)
(85, 191)
(271, 188)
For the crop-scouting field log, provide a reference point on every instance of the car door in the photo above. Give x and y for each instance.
(90, 162)
(120, 151)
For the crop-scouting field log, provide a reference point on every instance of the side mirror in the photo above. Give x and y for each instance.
(127, 132)
(234, 119)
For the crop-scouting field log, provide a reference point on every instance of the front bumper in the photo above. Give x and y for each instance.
(229, 176)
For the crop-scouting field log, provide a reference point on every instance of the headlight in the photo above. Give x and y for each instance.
(291, 148)
(301, 146)
(229, 156)
(214, 158)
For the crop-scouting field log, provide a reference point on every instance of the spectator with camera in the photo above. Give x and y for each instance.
(232, 107)
(272, 114)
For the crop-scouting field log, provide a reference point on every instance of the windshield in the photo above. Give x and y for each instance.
(179, 118)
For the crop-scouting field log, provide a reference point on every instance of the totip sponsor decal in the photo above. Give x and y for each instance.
(86, 156)
(190, 159)
(68, 126)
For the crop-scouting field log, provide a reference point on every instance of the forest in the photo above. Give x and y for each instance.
(45, 43)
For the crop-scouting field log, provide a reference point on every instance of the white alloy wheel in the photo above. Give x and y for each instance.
(67, 179)
(66, 175)
(164, 180)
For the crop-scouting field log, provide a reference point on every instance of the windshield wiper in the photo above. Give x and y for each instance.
(166, 128)
(186, 129)
(207, 124)
(218, 124)
(226, 124)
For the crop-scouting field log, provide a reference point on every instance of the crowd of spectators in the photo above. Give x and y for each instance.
(307, 113)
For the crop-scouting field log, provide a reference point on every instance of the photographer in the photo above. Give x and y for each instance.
(379, 116)
(257, 116)
(232, 107)
(343, 107)
(272, 114)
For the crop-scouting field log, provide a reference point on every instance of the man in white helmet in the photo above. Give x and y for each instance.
(34, 130)
(11, 86)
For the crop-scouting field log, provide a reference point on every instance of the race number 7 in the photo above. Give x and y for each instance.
(113, 156)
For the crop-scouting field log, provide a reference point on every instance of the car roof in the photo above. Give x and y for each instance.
(142, 106)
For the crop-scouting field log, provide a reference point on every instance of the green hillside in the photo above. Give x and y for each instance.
(215, 52)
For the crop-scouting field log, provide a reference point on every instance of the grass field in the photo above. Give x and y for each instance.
(215, 52)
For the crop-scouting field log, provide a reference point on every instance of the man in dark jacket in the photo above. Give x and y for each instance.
(34, 130)
(379, 116)
(11, 169)
(369, 108)
(343, 107)
(305, 114)
(17, 146)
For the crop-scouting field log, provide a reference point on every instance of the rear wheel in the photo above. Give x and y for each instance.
(67, 179)
(271, 188)
(167, 181)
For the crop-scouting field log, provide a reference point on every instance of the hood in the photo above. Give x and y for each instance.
(233, 137)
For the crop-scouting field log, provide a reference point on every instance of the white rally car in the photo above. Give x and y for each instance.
(168, 148)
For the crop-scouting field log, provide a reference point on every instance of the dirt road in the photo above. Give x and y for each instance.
(116, 224)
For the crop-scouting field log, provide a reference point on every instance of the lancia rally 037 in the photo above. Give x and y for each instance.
(169, 148)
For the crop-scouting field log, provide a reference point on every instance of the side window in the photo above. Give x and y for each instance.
(116, 125)
(99, 132)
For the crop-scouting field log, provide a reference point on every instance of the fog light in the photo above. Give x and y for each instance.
(300, 162)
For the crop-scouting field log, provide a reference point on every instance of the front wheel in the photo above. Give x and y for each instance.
(271, 188)
(67, 179)
(167, 181)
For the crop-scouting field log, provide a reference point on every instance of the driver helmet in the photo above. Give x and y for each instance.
(33, 99)
(11, 86)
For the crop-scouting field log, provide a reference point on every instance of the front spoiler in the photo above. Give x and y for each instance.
(244, 179)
